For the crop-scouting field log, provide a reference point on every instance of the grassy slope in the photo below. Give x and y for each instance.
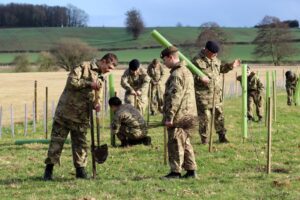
(233, 171)
(44, 38)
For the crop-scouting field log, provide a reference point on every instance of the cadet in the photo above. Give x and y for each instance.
(135, 81)
(208, 63)
(179, 99)
(72, 112)
(156, 72)
(255, 88)
(128, 124)
(291, 80)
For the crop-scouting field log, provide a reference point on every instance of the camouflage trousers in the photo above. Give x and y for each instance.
(156, 97)
(139, 102)
(59, 134)
(256, 100)
(180, 150)
(290, 94)
(205, 119)
(126, 133)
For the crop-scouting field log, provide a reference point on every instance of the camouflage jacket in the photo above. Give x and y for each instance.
(128, 117)
(213, 69)
(73, 105)
(291, 83)
(179, 97)
(254, 83)
(133, 83)
(156, 73)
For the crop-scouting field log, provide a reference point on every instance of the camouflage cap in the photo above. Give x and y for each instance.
(168, 51)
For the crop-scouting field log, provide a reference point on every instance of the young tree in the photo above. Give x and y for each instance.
(212, 31)
(134, 23)
(274, 40)
(22, 63)
(71, 52)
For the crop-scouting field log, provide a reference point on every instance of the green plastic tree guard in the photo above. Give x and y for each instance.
(165, 43)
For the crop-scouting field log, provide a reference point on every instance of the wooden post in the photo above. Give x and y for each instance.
(223, 88)
(33, 118)
(46, 114)
(165, 146)
(35, 100)
(25, 120)
(269, 155)
(236, 84)
(12, 121)
(0, 122)
(212, 120)
(149, 103)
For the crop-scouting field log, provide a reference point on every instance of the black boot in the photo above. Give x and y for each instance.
(48, 172)
(222, 138)
(81, 173)
(172, 175)
(147, 140)
(124, 143)
(190, 174)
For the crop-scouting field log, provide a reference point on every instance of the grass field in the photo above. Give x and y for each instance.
(231, 171)
(41, 39)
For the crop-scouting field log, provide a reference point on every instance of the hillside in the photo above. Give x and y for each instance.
(34, 40)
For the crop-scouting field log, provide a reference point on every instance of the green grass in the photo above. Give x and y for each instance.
(231, 171)
(41, 39)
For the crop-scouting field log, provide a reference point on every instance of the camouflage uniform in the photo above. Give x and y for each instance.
(204, 94)
(290, 86)
(128, 123)
(156, 74)
(255, 88)
(139, 82)
(72, 114)
(179, 100)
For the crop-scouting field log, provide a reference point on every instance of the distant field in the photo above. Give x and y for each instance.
(39, 39)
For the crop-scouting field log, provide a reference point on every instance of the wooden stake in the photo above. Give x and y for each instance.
(269, 155)
(46, 114)
(33, 118)
(25, 120)
(212, 121)
(165, 146)
(0, 122)
(35, 100)
(12, 121)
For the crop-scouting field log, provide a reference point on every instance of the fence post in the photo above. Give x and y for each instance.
(12, 121)
(0, 122)
(33, 118)
(35, 100)
(25, 120)
(46, 113)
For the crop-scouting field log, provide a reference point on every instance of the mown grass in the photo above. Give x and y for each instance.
(231, 171)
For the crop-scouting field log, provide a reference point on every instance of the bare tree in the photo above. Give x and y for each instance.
(134, 23)
(212, 31)
(274, 40)
(71, 52)
(77, 17)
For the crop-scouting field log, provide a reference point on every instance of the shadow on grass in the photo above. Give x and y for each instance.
(11, 181)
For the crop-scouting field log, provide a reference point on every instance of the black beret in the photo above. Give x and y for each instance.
(212, 46)
(134, 64)
(168, 51)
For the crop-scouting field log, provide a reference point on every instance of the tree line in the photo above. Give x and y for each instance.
(28, 15)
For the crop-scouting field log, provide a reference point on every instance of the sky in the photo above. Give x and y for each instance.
(227, 13)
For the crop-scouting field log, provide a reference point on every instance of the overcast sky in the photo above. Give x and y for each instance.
(228, 13)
